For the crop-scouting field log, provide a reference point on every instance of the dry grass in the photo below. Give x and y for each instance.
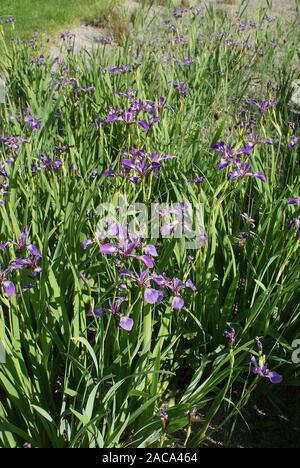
(118, 24)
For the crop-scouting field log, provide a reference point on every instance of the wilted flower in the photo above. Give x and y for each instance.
(251, 222)
(230, 336)
(191, 416)
(164, 417)
(242, 239)
(294, 141)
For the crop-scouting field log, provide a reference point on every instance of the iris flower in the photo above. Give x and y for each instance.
(143, 280)
(260, 368)
(174, 287)
(8, 286)
(244, 170)
(126, 323)
(263, 106)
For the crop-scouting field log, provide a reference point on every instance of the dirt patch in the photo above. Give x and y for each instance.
(282, 9)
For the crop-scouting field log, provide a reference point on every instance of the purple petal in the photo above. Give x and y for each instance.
(87, 243)
(126, 323)
(151, 250)
(97, 312)
(9, 288)
(275, 378)
(190, 284)
(294, 201)
(34, 251)
(144, 124)
(84, 278)
(151, 296)
(128, 164)
(5, 246)
(147, 261)
(108, 249)
(260, 175)
(177, 303)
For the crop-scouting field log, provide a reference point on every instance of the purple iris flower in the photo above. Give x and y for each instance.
(138, 165)
(126, 323)
(131, 115)
(295, 223)
(48, 163)
(146, 125)
(226, 152)
(244, 170)
(174, 286)
(126, 245)
(13, 142)
(255, 139)
(182, 87)
(8, 286)
(34, 122)
(9, 20)
(22, 244)
(263, 106)
(143, 280)
(260, 368)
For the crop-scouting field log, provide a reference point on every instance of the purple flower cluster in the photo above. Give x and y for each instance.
(138, 165)
(230, 157)
(263, 106)
(173, 287)
(46, 163)
(104, 40)
(180, 12)
(14, 142)
(182, 88)
(31, 262)
(38, 61)
(27, 118)
(132, 114)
